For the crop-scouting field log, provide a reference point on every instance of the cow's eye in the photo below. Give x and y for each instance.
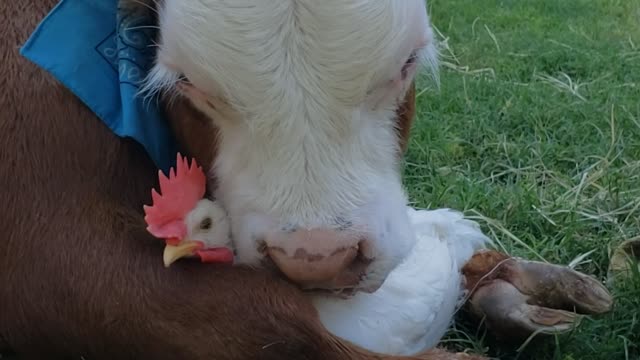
(411, 61)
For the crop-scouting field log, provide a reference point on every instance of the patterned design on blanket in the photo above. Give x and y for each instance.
(130, 49)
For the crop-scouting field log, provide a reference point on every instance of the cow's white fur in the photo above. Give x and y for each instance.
(307, 91)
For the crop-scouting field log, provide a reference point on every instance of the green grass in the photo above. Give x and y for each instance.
(535, 133)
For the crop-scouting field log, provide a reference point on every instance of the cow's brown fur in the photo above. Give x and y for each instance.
(79, 276)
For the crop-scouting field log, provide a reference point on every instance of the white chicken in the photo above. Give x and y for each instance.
(414, 307)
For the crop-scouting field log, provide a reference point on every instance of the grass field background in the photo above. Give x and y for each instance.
(535, 133)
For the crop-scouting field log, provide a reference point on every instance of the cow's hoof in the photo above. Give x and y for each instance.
(517, 298)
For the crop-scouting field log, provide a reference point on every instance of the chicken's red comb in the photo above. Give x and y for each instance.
(181, 191)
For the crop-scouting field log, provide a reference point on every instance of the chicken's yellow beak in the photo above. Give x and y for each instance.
(174, 252)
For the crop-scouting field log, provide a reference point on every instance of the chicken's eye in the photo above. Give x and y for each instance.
(206, 224)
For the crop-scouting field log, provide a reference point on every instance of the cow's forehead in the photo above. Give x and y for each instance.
(337, 48)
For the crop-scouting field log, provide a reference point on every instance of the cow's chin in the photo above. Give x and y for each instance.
(340, 260)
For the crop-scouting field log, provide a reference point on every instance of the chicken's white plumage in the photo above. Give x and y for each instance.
(414, 307)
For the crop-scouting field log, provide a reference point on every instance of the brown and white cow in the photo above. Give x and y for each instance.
(304, 93)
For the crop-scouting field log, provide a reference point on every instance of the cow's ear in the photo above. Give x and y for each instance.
(404, 117)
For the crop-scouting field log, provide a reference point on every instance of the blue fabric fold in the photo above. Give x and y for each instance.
(102, 52)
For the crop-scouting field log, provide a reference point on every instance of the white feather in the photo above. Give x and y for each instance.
(416, 304)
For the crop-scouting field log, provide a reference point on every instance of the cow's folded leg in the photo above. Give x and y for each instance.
(517, 298)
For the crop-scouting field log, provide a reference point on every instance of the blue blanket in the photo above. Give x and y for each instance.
(101, 53)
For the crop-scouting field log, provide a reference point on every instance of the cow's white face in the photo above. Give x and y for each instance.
(304, 93)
